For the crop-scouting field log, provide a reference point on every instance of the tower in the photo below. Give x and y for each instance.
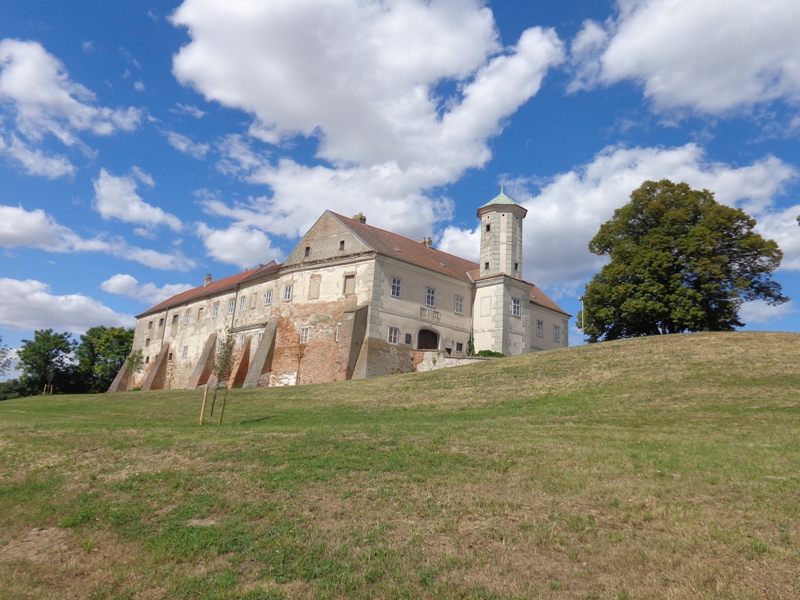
(501, 313)
(501, 237)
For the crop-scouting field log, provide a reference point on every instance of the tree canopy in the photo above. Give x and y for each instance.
(101, 353)
(679, 262)
(46, 359)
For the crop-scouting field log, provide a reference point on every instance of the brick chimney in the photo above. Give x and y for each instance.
(360, 218)
(426, 241)
(207, 281)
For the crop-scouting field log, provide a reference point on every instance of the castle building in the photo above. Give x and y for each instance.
(350, 301)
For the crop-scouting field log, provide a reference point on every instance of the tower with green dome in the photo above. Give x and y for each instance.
(501, 237)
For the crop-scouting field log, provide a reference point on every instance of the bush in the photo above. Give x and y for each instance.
(490, 354)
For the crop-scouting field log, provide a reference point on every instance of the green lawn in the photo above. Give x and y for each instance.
(651, 468)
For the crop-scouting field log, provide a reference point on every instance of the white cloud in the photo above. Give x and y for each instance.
(238, 245)
(782, 227)
(29, 305)
(758, 312)
(116, 198)
(36, 161)
(401, 96)
(20, 228)
(147, 293)
(187, 109)
(37, 92)
(184, 143)
(569, 210)
(712, 57)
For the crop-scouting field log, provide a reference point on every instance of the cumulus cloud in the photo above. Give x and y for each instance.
(116, 198)
(759, 312)
(27, 305)
(146, 293)
(401, 97)
(569, 209)
(20, 228)
(238, 245)
(712, 57)
(36, 91)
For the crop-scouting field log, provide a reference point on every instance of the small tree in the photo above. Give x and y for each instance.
(679, 262)
(135, 364)
(223, 362)
(5, 360)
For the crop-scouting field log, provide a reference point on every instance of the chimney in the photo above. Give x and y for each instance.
(426, 241)
(207, 280)
(360, 218)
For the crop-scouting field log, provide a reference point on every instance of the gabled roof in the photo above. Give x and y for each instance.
(213, 288)
(407, 250)
(543, 300)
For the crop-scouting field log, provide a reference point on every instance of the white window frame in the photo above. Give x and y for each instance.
(458, 305)
(430, 297)
(287, 293)
(231, 306)
(516, 307)
(397, 287)
(393, 335)
(215, 310)
(557, 333)
(186, 316)
(304, 334)
(242, 303)
(185, 352)
(268, 298)
(539, 328)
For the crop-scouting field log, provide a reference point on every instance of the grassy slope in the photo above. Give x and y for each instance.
(652, 468)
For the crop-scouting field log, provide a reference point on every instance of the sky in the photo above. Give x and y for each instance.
(146, 144)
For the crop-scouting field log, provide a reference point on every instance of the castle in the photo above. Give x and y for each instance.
(351, 301)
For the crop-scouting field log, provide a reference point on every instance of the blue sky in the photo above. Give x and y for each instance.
(143, 145)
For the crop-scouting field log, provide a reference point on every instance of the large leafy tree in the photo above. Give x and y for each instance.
(101, 353)
(47, 359)
(680, 262)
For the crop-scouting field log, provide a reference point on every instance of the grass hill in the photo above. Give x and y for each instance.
(661, 467)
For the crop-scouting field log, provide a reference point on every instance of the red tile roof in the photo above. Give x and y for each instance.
(213, 288)
(407, 250)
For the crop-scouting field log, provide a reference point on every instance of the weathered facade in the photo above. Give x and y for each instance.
(351, 301)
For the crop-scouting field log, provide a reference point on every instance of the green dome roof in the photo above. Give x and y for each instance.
(501, 198)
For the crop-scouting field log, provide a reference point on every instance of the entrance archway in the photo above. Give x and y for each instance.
(427, 340)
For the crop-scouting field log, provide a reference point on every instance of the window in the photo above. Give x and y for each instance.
(396, 287)
(539, 328)
(488, 227)
(459, 347)
(174, 319)
(459, 305)
(147, 342)
(287, 293)
(169, 356)
(268, 298)
(336, 335)
(341, 246)
(408, 339)
(215, 310)
(430, 297)
(349, 285)
(185, 352)
(394, 335)
(556, 333)
(304, 335)
(486, 266)
(231, 306)
(515, 307)
(308, 251)
(242, 303)
(150, 325)
(200, 314)
(186, 316)
(161, 321)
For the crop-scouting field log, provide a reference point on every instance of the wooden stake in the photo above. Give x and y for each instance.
(222, 409)
(203, 408)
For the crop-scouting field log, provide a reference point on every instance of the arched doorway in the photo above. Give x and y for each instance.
(427, 340)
